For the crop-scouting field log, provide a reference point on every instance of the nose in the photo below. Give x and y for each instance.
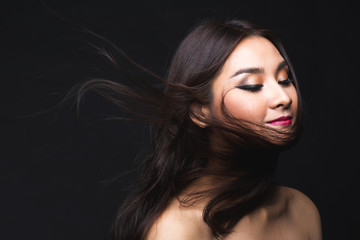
(279, 97)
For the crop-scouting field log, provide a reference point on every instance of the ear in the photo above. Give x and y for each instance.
(199, 114)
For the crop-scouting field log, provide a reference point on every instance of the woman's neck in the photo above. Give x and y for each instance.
(220, 174)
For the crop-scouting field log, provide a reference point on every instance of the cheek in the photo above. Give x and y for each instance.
(246, 107)
(293, 95)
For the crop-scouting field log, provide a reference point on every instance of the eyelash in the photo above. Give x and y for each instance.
(286, 82)
(257, 87)
(251, 88)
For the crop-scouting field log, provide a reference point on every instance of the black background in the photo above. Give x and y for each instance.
(56, 170)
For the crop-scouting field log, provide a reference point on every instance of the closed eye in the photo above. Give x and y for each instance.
(250, 88)
(286, 82)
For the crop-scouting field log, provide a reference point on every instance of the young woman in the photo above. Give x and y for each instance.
(231, 103)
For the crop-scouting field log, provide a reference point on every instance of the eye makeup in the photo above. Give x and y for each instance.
(250, 87)
(247, 83)
(286, 82)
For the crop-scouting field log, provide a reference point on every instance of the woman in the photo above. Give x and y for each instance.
(230, 105)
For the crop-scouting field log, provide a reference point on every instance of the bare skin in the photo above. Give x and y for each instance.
(289, 215)
(255, 86)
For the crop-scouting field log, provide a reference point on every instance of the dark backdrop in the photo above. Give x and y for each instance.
(57, 169)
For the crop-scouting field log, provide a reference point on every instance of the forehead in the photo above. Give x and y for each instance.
(253, 51)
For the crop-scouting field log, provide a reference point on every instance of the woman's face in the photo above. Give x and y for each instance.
(256, 85)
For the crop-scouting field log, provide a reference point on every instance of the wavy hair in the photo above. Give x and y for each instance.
(181, 150)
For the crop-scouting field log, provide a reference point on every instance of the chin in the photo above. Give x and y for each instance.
(285, 142)
(282, 137)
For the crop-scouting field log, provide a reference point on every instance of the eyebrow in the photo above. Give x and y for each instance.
(257, 70)
(281, 66)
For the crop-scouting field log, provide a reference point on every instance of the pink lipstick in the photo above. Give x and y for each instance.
(281, 121)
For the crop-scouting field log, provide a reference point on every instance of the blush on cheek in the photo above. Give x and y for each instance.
(243, 109)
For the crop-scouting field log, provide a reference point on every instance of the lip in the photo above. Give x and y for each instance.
(281, 121)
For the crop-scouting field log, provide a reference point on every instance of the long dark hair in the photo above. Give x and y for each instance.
(181, 149)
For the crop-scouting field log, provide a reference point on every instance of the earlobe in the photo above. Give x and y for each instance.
(199, 115)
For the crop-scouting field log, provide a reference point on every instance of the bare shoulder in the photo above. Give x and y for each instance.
(179, 223)
(303, 210)
(299, 202)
